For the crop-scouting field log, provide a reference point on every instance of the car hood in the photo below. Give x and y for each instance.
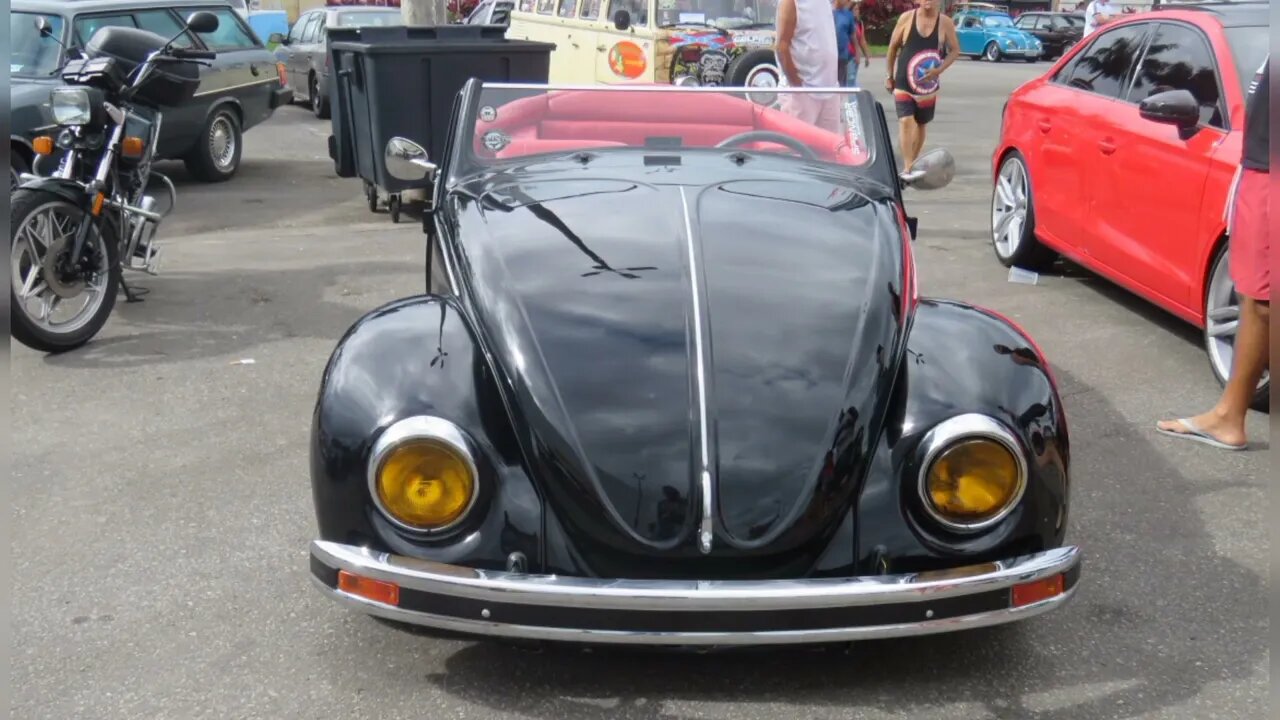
(29, 104)
(605, 301)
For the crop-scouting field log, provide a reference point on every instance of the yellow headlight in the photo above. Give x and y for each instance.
(425, 484)
(973, 481)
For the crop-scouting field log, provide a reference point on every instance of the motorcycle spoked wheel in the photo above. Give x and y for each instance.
(43, 228)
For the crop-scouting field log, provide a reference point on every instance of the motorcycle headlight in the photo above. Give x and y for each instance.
(71, 106)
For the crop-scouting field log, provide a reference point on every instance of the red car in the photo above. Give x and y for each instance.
(1121, 157)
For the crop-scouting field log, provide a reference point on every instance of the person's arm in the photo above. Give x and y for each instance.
(782, 46)
(895, 44)
(862, 46)
(952, 43)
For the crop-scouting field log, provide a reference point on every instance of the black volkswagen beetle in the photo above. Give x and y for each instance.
(672, 383)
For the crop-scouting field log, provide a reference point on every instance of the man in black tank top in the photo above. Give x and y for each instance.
(922, 37)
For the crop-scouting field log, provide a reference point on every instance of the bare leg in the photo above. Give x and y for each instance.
(907, 129)
(1225, 421)
(921, 130)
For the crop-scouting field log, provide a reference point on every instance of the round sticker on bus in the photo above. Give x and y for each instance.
(626, 59)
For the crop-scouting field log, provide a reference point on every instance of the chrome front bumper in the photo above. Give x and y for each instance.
(695, 612)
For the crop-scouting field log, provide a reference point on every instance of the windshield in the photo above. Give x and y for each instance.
(997, 21)
(1249, 48)
(379, 19)
(831, 127)
(717, 13)
(32, 55)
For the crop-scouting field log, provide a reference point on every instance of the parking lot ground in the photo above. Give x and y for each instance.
(162, 505)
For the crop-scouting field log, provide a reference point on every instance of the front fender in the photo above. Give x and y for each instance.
(964, 359)
(69, 190)
(418, 356)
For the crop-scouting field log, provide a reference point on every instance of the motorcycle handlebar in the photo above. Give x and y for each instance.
(191, 54)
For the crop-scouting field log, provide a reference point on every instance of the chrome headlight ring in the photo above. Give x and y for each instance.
(948, 433)
(422, 427)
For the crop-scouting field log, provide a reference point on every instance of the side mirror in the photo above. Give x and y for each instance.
(202, 22)
(278, 39)
(43, 27)
(1171, 107)
(407, 160)
(933, 170)
(622, 19)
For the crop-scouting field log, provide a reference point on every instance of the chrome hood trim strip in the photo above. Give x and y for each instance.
(706, 481)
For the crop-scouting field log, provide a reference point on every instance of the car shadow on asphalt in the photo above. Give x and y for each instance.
(1118, 295)
(196, 315)
(1160, 615)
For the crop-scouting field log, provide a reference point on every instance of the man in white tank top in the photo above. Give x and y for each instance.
(808, 57)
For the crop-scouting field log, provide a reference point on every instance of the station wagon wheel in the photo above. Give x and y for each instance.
(1013, 218)
(1222, 318)
(216, 156)
(992, 53)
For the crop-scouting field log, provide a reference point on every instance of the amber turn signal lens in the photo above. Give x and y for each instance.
(368, 588)
(42, 145)
(973, 481)
(132, 147)
(1036, 591)
(425, 484)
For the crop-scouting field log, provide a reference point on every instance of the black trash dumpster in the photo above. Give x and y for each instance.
(402, 81)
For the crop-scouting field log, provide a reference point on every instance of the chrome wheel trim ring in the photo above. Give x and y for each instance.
(315, 95)
(222, 143)
(992, 52)
(1222, 318)
(42, 228)
(1009, 202)
(764, 76)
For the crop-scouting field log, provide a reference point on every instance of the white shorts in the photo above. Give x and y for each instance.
(821, 111)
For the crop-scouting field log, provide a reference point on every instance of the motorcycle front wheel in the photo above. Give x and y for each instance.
(49, 312)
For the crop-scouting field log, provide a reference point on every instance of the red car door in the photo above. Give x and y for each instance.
(1149, 188)
(1084, 93)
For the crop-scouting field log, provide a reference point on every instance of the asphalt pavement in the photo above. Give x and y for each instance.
(162, 507)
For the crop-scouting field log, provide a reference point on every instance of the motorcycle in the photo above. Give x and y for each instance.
(74, 232)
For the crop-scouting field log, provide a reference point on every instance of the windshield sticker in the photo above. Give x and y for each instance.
(853, 135)
(690, 17)
(488, 114)
(753, 38)
(495, 140)
(626, 59)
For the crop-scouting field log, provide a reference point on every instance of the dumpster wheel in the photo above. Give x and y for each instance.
(371, 194)
(393, 204)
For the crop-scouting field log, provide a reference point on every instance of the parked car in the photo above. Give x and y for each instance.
(702, 42)
(239, 90)
(993, 36)
(1121, 158)
(1056, 31)
(305, 54)
(634, 405)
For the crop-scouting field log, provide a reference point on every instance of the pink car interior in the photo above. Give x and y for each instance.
(586, 119)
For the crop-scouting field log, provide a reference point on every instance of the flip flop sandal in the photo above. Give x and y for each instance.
(1195, 433)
